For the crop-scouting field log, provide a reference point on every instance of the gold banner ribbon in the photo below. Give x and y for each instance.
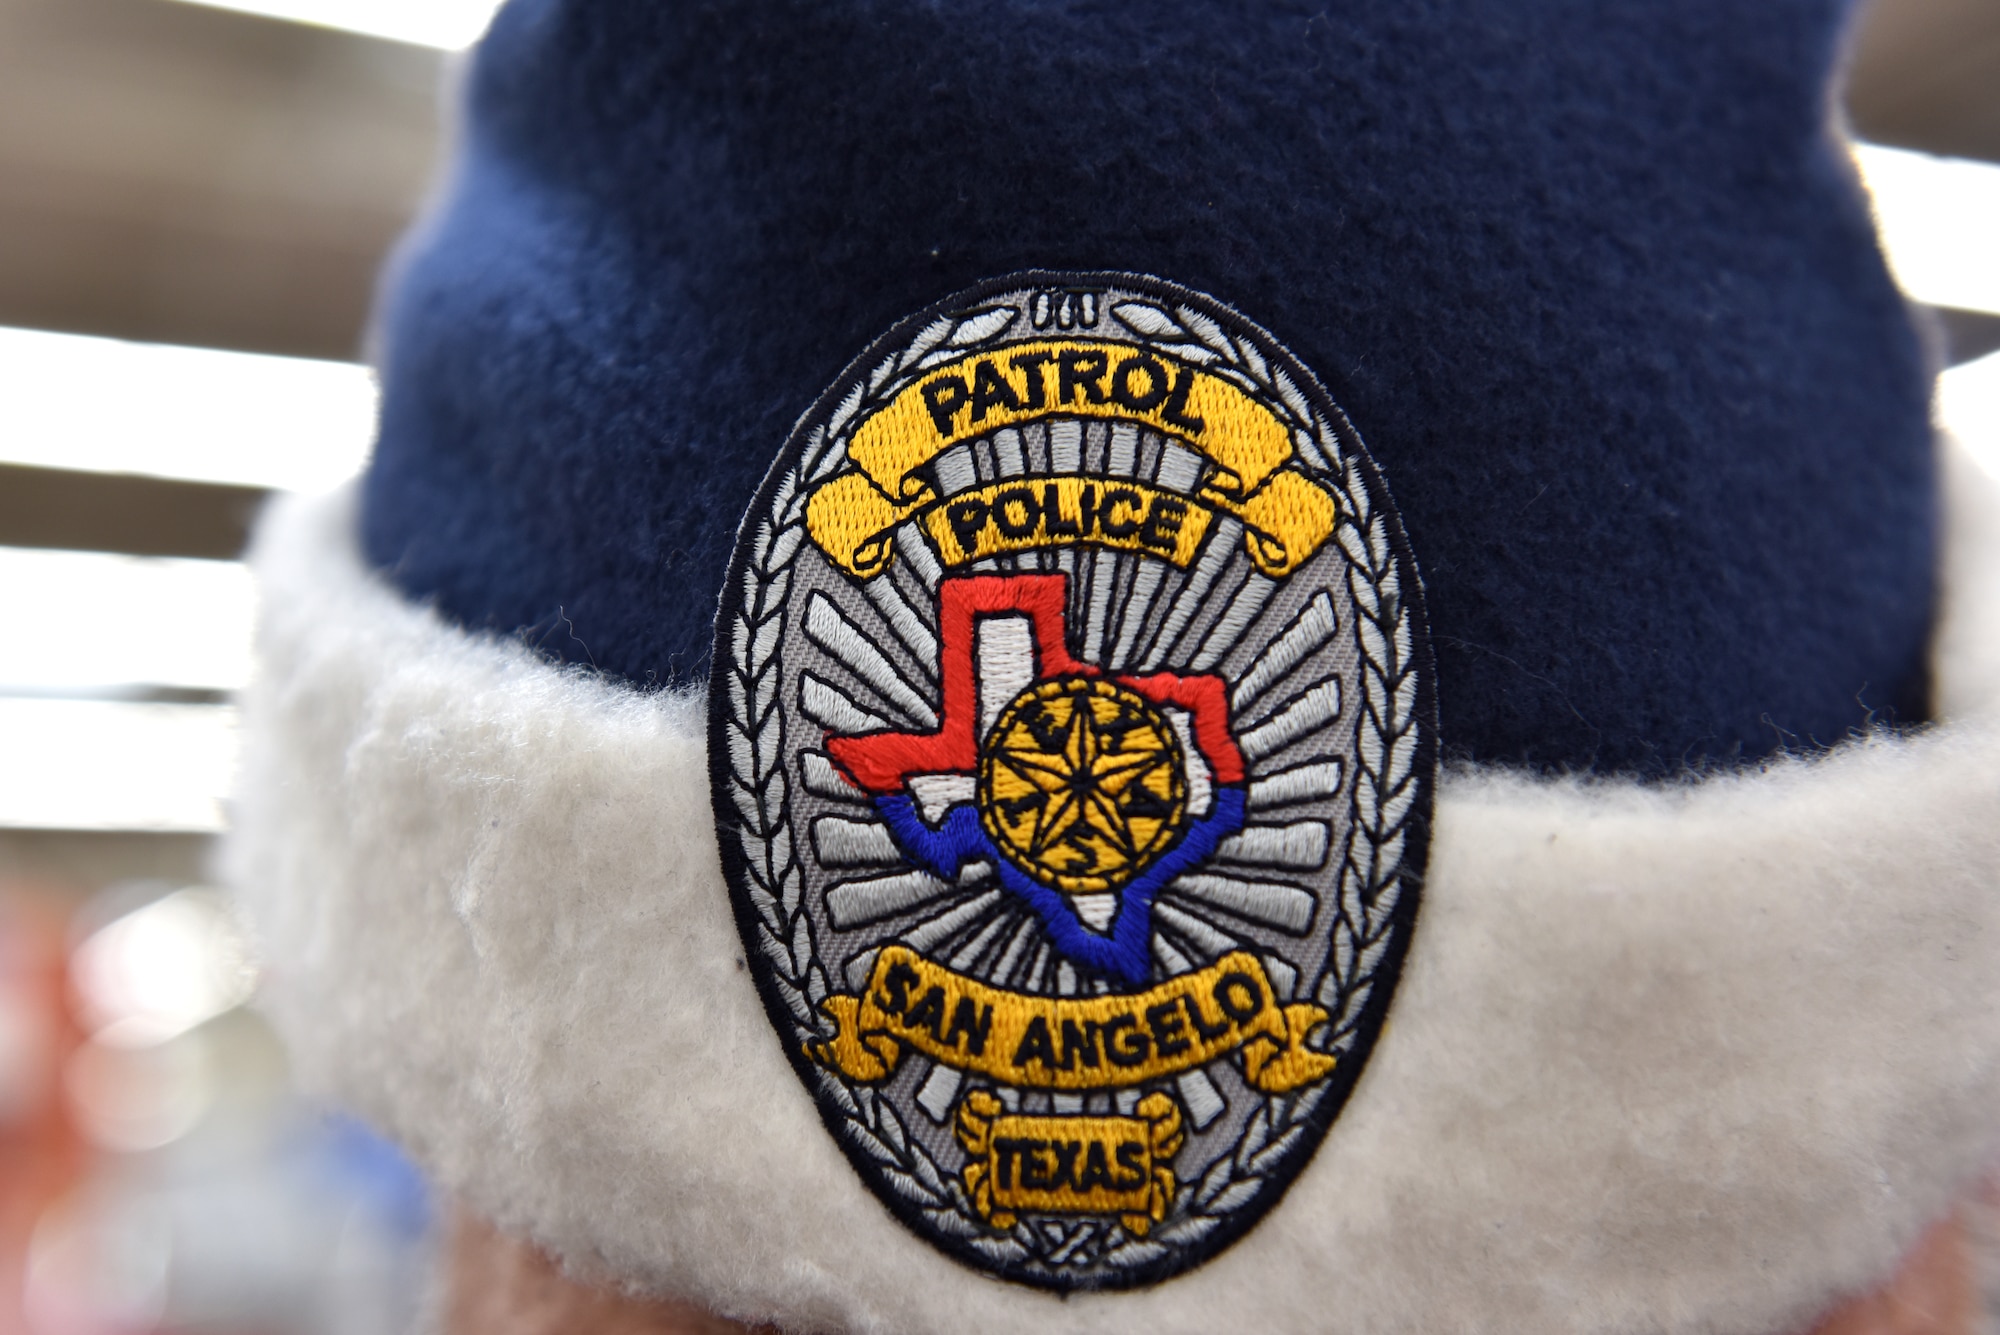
(1287, 515)
(1070, 1164)
(1059, 511)
(1023, 382)
(1072, 1043)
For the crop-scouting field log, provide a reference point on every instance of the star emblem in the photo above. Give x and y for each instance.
(1082, 783)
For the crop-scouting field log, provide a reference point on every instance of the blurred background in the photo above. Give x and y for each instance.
(194, 198)
(193, 203)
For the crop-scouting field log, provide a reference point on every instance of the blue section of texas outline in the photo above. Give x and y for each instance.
(1125, 952)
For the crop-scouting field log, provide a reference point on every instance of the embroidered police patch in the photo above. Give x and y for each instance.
(1072, 744)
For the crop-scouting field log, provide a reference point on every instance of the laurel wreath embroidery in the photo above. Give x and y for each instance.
(1373, 878)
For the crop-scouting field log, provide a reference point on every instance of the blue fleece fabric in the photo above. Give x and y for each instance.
(1588, 275)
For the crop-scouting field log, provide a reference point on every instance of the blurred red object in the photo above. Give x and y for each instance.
(43, 1154)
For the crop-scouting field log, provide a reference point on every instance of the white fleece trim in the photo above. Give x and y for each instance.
(1691, 1059)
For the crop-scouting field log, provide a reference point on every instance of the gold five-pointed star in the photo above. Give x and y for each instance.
(1081, 783)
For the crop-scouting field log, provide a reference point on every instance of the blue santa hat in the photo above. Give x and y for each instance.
(1596, 468)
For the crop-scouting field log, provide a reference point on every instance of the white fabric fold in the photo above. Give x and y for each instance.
(1665, 1058)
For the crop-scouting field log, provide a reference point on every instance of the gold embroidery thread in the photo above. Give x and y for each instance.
(1070, 1164)
(1066, 510)
(1069, 1043)
(1287, 515)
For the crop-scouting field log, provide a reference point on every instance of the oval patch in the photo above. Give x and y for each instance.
(1072, 739)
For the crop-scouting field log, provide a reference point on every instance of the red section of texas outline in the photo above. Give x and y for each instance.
(881, 761)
